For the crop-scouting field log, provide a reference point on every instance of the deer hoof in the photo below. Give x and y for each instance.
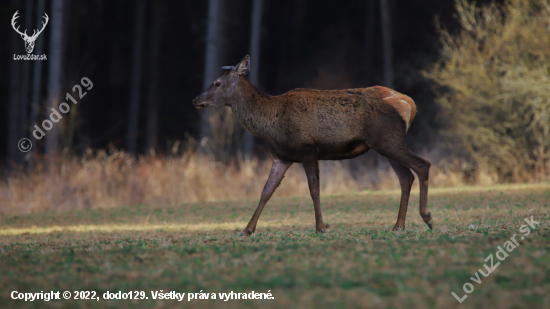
(428, 219)
(246, 233)
(241, 234)
(321, 231)
(398, 228)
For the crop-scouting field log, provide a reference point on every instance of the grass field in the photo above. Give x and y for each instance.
(358, 263)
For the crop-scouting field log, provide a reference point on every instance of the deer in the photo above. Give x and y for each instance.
(29, 40)
(308, 125)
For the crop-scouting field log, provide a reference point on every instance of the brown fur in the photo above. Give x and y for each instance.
(307, 125)
(334, 122)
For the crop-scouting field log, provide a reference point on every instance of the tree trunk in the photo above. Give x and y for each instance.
(37, 80)
(212, 56)
(70, 124)
(387, 43)
(153, 98)
(54, 75)
(369, 40)
(24, 98)
(255, 41)
(135, 83)
(13, 113)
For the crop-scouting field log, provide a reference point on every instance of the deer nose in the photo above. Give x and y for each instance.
(199, 105)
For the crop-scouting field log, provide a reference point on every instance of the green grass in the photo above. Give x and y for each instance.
(358, 263)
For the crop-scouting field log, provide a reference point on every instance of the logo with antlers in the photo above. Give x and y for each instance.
(29, 40)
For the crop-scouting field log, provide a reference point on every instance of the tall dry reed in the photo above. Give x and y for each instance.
(108, 180)
(103, 180)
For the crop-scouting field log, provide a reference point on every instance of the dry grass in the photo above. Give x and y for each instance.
(104, 180)
(107, 180)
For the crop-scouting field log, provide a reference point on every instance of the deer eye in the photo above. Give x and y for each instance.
(217, 84)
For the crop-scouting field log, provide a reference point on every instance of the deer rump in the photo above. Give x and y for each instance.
(340, 124)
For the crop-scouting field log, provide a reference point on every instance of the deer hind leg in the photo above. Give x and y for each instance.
(399, 153)
(278, 170)
(406, 179)
(311, 167)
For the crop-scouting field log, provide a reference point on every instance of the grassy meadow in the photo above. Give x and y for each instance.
(358, 263)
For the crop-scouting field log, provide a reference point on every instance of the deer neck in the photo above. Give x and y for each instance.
(253, 109)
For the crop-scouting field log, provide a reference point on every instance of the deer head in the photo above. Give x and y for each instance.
(29, 40)
(223, 88)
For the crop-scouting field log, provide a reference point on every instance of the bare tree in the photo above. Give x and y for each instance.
(153, 97)
(37, 79)
(255, 41)
(212, 55)
(135, 83)
(369, 39)
(387, 43)
(55, 73)
(24, 98)
(14, 89)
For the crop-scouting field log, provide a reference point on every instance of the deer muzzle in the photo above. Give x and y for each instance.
(200, 102)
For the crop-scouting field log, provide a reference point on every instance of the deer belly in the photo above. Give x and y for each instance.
(340, 152)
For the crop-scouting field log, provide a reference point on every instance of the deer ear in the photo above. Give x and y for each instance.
(244, 66)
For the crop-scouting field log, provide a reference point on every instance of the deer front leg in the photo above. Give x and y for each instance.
(278, 170)
(311, 166)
